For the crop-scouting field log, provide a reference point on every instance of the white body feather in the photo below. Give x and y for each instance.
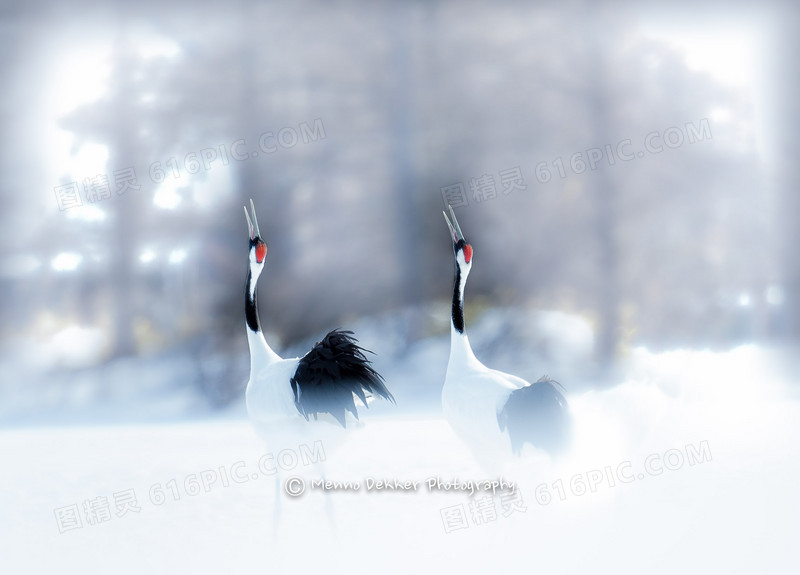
(472, 397)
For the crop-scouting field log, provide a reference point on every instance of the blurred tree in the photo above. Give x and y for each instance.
(601, 25)
(786, 118)
(103, 123)
(148, 122)
(411, 98)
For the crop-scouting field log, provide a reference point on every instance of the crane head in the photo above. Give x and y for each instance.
(258, 248)
(460, 245)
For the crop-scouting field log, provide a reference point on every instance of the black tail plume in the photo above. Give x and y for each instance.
(331, 374)
(537, 414)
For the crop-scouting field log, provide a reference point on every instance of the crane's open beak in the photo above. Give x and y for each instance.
(454, 231)
(250, 223)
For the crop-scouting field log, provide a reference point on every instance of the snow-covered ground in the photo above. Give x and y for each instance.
(689, 465)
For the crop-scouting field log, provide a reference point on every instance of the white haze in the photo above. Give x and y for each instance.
(726, 505)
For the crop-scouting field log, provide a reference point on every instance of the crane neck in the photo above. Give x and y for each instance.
(457, 310)
(260, 352)
(460, 349)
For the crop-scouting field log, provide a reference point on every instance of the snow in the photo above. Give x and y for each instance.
(731, 513)
(688, 465)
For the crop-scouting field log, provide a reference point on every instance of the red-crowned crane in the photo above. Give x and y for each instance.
(325, 383)
(492, 411)
(302, 400)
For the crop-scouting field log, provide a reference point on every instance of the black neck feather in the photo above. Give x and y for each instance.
(458, 303)
(251, 305)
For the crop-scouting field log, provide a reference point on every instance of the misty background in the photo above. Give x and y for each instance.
(132, 135)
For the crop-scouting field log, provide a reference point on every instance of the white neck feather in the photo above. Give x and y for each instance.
(460, 350)
(261, 353)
